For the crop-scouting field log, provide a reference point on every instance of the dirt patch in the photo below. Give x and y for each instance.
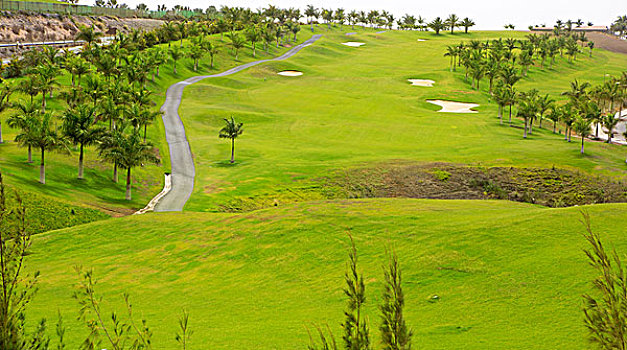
(550, 187)
(608, 42)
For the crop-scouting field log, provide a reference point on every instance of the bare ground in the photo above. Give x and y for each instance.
(608, 42)
(551, 187)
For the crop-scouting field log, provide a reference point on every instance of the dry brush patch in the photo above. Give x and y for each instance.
(552, 187)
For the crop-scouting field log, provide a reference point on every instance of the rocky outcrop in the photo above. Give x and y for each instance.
(53, 27)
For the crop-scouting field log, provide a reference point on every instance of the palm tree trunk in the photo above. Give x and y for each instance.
(128, 184)
(582, 139)
(510, 115)
(43, 103)
(501, 114)
(30, 154)
(554, 126)
(1, 140)
(525, 132)
(596, 131)
(42, 167)
(232, 150)
(115, 172)
(80, 163)
(145, 128)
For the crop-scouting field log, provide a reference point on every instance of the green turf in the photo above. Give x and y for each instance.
(509, 275)
(354, 107)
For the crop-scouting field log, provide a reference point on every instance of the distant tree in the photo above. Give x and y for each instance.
(610, 122)
(467, 23)
(22, 120)
(437, 25)
(88, 34)
(452, 21)
(231, 131)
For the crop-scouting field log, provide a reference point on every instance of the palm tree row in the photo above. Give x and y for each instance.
(503, 58)
(107, 104)
(620, 26)
(587, 110)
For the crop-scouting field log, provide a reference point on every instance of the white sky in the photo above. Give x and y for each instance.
(488, 14)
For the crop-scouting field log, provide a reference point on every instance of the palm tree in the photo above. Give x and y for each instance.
(130, 152)
(253, 35)
(195, 53)
(544, 104)
(555, 115)
(231, 131)
(237, 43)
(525, 59)
(79, 126)
(212, 50)
(175, 55)
(509, 75)
(140, 116)
(311, 12)
(452, 21)
(88, 34)
(29, 86)
(47, 79)
(437, 25)
(527, 108)
(41, 135)
(452, 51)
(610, 122)
(5, 94)
(467, 23)
(23, 120)
(582, 127)
(501, 97)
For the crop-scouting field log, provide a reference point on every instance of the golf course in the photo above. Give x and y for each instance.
(281, 153)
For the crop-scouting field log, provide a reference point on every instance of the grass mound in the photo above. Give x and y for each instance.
(505, 272)
(44, 213)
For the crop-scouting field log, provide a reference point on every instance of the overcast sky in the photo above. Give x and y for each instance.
(488, 14)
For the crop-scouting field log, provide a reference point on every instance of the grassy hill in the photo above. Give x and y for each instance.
(508, 275)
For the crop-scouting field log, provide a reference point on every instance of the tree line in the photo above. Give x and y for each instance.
(504, 62)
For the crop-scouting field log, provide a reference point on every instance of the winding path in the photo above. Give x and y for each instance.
(182, 162)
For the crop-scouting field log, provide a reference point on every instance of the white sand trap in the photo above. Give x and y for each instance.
(353, 44)
(454, 107)
(290, 73)
(421, 40)
(421, 82)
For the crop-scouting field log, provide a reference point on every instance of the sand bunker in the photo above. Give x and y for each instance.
(421, 40)
(290, 73)
(421, 82)
(353, 44)
(454, 107)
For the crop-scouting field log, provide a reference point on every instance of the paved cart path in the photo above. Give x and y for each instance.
(182, 162)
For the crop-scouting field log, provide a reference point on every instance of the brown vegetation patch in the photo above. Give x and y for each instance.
(551, 187)
(608, 42)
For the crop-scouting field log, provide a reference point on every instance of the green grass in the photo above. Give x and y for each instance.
(509, 275)
(354, 107)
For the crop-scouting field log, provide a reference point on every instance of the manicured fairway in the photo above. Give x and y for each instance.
(509, 275)
(354, 106)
